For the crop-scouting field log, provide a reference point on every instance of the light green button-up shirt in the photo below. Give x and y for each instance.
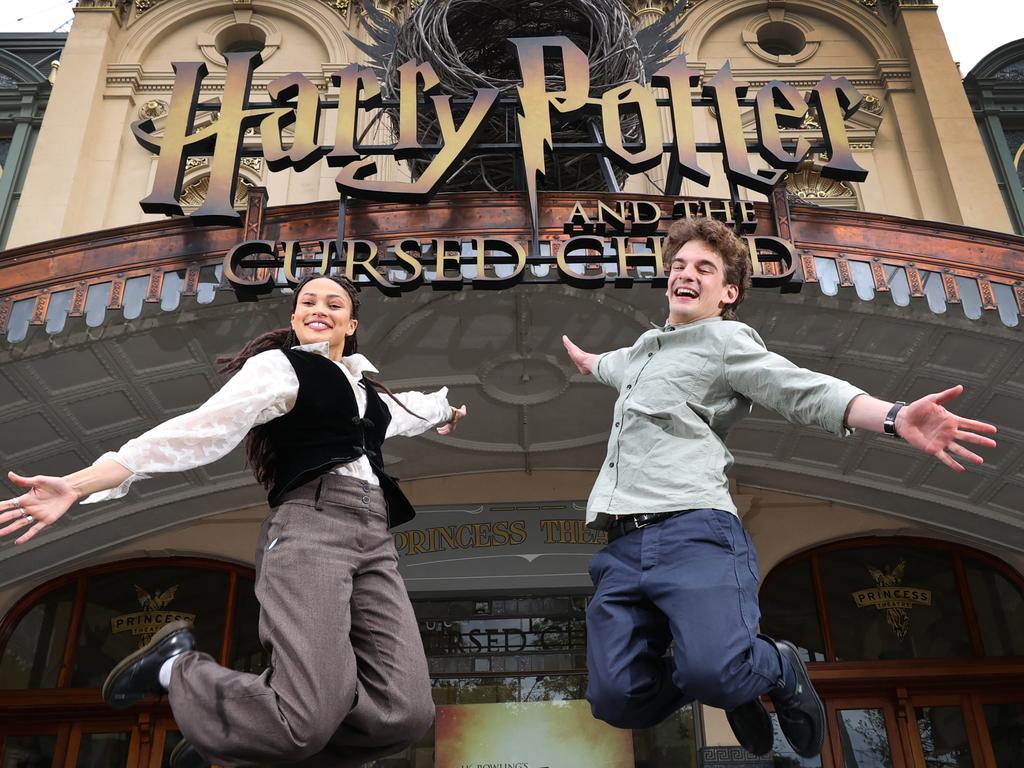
(680, 390)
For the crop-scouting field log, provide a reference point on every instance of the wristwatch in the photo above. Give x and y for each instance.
(889, 425)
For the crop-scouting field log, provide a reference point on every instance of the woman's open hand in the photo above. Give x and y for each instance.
(46, 500)
(449, 426)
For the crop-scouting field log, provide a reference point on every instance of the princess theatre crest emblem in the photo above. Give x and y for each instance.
(154, 614)
(891, 596)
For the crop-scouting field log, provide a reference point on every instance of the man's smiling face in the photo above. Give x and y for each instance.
(696, 284)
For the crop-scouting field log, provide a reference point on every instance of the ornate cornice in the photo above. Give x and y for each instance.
(118, 7)
(341, 6)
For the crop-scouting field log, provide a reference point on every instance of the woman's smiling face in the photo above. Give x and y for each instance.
(323, 312)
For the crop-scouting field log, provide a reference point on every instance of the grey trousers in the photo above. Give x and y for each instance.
(348, 678)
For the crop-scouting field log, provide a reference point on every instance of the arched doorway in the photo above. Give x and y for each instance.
(59, 643)
(917, 647)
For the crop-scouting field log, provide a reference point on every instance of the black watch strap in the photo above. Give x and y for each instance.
(889, 425)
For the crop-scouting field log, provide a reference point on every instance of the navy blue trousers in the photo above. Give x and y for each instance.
(690, 580)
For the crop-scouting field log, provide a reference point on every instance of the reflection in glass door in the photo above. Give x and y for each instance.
(1005, 723)
(864, 734)
(28, 751)
(943, 737)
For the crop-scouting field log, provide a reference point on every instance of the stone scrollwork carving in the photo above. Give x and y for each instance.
(194, 194)
(872, 104)
(153, 109)
(141, 6)
(807, 183)
(341, 6)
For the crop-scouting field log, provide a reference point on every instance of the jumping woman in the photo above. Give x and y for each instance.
(348, 680)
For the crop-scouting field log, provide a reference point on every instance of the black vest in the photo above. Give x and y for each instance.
(324, 430)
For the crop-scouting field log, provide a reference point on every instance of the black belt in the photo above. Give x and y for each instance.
(628, 523)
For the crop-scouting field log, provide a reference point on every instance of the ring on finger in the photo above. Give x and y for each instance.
(16, 502)
(29, 519)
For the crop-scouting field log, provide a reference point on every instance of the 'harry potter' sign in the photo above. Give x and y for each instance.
(296, 103)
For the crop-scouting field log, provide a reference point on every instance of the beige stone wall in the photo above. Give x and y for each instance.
(923, 151)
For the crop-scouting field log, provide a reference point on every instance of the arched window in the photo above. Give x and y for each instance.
(71, 632)
(893, 599)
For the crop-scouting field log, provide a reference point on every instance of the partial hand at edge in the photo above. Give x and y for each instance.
(929, 427)
(584, 361)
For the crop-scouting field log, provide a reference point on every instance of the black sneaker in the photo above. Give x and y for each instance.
(752, 726)
(136, 676)
(184, 755)
(797, 705)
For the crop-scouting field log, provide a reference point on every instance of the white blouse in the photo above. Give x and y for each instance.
(264, 388)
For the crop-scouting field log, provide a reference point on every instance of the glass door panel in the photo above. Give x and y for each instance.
(103, 750)
(28, 751)
(863, 738)
(863, 733)
(944, 739)
(1005, 724)
(103, 744)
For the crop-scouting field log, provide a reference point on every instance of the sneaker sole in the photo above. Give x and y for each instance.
(131, 658)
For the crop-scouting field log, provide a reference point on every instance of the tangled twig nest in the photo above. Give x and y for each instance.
(466, 42)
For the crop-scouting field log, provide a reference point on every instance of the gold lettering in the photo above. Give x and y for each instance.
(442, 260)
(536, 100)
(679, 79)
(725, 91)
(632, 95)
(305, 149)
(624, 278)
(578, 218)
(367, 265)
(616, 218)
(511, 250)
(409, 74)
(293, 253)
(836, 100)
(579, 244)
(352, 179)
(779, 103)
(356, 86)
(223, 137)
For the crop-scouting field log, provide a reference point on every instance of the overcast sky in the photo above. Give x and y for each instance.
(973, 27)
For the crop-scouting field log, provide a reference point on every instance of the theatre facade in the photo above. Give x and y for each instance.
(884, 254)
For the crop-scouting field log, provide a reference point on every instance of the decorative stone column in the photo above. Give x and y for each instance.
(965, 177)
(55, 179)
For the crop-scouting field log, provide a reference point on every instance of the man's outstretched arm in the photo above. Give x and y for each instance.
(584, 361)
(608, 368)
(926, 425)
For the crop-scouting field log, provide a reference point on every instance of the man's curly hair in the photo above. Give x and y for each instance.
(723, 241)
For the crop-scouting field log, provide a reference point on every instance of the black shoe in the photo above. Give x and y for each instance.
(752, 726)
(136, 676)
(184, 755)
(800, 711)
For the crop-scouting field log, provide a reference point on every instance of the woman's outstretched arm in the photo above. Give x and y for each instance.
(47, 498)
(262, 390)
